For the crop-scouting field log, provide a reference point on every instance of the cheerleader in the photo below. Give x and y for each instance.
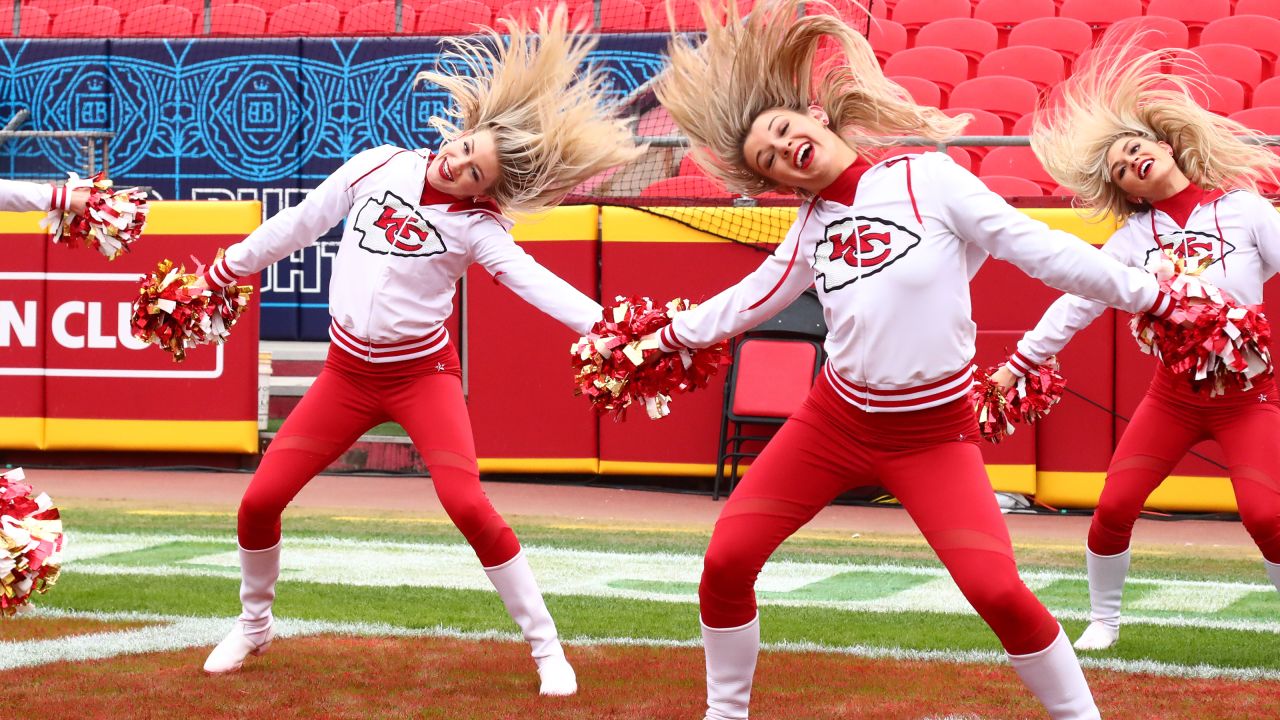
(529, 129)
(18, 196)
(1129, 140)
(891, 248)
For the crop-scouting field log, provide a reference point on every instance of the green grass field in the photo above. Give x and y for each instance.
(172, 574)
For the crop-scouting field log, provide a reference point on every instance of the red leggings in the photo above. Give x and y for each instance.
(930, 461)
(351, 396)
(1168, 421)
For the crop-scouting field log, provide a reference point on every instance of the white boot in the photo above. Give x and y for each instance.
(1053, 675)
(519, 592)
(1106, 585)
(1273, 572)
(252, 633)
(731, 665)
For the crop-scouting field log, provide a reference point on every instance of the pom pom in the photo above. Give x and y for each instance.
(615, 370)
(112, 219)
(1026, 401)
(1209, 337)
(174, 314)
(31, 533)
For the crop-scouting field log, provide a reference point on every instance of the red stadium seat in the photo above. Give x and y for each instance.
(93, 21)
(1065, 35)
(685, 186)
(376, 18)
(1269, 8)
(1265, 119)
(853, 11)
(34, 22)
(237, 20)
(1099, 14)
(923, 91)
(1159, 32)
(1234, 61)
(689, 167)
(163, 20)
(267, 6)
(944, 66)
(453, 17)
(1062, 191)
(1017, 162)
(1219, 94)
(1252, 31)
(124, 7)
(983, 123)
(1011, 186)
(1004, 14)
(56, 7)
(1008, 97)
(887, 37)
(1023, 125)
(1267, 94)
(305, 18)
(1195, 14)
(687, 16)
(522, 10)
(615, 16)
(1041, 66)
(974, 38)
(913, 14)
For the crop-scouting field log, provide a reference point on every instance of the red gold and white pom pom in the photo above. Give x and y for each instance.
(32, 539)
(615, 370)
(1217, 342)
(112, 219)
(1028, 400)
(173, 313)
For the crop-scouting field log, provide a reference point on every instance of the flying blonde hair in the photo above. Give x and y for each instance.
(550, 123)
(1122, 91)
(714, 91)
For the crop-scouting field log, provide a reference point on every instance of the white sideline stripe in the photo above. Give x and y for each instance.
(181, 632)
(603, 574)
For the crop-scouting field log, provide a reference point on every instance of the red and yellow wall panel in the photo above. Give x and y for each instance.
(71, 375)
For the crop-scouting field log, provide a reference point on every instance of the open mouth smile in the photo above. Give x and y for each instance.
(803, 156)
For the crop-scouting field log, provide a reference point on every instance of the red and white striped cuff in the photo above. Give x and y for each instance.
(1163, 306)
(1020, 364)
(60, 198)
(219, 275)
(388, 352)
(668, 340)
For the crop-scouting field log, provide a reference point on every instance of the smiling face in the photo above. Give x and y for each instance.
(466, 167)
(1143, 169)
(796, 150)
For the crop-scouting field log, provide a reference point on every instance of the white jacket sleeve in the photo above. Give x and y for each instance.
(297, 227)
(18, 196)
(1056, 258)
(1070, 314)
(1266, 233)
(510, 265)
(755, 298)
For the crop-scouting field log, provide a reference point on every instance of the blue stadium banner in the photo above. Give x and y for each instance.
(266, 119)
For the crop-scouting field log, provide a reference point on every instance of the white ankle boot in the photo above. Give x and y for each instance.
(731, 666)
(1273, 572)
(1053, 675)
(252, 633)
(1106, 585)
(519, 592)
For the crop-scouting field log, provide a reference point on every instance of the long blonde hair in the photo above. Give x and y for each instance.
(715, 91)
(1121, 91)
(550, 123)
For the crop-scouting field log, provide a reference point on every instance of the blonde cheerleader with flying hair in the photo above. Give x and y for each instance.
(890, 247)
(528, 125)
(1129, 139)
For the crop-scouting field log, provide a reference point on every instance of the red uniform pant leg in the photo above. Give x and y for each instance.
(946, 491)
(433, 411)
(802, 469)
(1250, 439)
(1157, 437)
(334, 412)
